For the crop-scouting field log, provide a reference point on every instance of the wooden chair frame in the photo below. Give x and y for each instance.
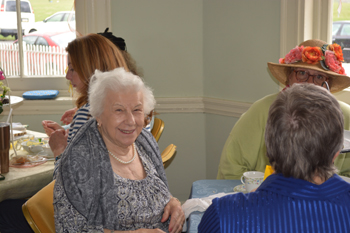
(158, 128)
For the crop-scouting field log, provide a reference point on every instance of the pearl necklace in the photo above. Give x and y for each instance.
(125, 162)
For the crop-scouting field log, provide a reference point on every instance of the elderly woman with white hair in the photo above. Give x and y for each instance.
(111, 176)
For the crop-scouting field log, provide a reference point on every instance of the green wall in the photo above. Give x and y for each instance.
(200, 48)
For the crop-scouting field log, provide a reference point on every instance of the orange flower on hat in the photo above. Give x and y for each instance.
(337, 51)
(312, 55)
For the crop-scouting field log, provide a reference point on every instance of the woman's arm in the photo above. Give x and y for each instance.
(67, 218)
(68, 115)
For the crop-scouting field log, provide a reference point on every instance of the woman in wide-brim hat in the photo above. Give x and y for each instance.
(313, 61)
(315, 55)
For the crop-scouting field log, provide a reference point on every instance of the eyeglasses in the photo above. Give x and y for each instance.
(303, 76)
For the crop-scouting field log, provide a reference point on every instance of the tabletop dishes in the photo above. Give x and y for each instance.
(37, 146)
(25, 161)
(240, 189)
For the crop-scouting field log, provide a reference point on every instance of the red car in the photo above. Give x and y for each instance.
(60, 39)
(47, 59)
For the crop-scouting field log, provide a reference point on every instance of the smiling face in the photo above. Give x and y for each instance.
(73, 77)
(122, 118)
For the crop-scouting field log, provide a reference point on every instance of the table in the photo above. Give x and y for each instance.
(25, 182)
(205, 188)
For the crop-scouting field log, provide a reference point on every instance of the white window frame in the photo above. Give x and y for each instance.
(92, 16)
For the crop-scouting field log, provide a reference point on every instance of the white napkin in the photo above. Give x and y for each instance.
(199, 204)
(18, 126)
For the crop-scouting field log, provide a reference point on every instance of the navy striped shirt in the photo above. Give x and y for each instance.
(80, 118)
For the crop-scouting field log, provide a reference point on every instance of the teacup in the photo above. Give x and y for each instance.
(252, 180)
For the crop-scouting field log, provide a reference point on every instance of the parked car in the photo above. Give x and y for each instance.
(8, 17)
(341, 36)
(50, 59)
(60, 21)
(60, 39)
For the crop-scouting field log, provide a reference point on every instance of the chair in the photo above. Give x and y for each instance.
(168, 153)
(38, 210)
(158, 127)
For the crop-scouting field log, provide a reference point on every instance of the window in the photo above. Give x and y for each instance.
(41, 41)
(30, 39)
(11, 6)
(9, 52)
(345, 30)
(56, 18)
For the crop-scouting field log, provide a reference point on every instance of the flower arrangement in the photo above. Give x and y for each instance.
(329, 56)
(4, 88)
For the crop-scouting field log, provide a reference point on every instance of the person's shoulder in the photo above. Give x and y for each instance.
(344, 106)
(341, 182)
(267, 100)
(83, 109)
(88, 128)
(259, 109)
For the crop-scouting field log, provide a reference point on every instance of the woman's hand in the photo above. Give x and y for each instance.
(58, 141)
(174, 210)
(68, 115)
(50, 127)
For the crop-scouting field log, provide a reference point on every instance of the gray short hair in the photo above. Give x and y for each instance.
(117, 80)
(304, 131)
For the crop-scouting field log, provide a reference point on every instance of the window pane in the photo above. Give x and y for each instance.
(41, 41)
(345, 30)
(11, 6)
(335, 29)
(25, 7)
(55, 18)
(30, 39)
(341, 30)
(40, 49)
(63, 39)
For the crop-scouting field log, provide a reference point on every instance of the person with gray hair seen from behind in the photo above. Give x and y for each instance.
(111, 177)
(304, 135)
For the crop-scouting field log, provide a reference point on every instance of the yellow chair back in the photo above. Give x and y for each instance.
(38, 210)
(168, 153)
(268, 171)
(158, 127)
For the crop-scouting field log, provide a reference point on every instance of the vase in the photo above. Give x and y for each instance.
(4, 147)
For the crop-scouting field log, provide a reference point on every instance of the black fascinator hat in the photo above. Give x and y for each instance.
(118, 41)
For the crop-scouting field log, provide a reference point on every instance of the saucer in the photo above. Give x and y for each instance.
(240, 188)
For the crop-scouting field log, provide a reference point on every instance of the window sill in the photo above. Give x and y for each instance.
(59, 105)
(37, 83)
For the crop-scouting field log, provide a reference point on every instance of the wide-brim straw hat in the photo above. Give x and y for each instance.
(281, 71)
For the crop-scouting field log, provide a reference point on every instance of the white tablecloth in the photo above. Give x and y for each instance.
(25, 182)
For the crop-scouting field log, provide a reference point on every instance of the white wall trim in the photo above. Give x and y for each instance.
(164, 105)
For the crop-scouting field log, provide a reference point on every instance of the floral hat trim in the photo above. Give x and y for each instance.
(329, 56)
